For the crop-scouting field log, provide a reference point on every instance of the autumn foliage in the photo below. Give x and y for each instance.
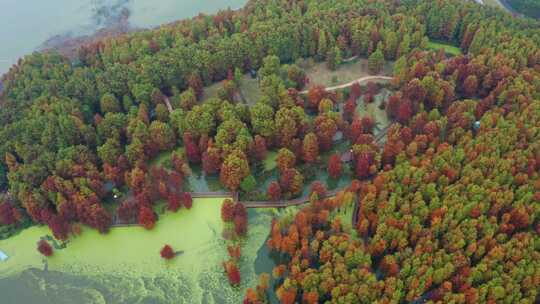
(45, 248)
(274, 191)
(315, 95)
(334, 166)
(167, 252)
(446, 191)
(227, 210)
(236, 214)
(234, 169)
(8, 214)
(146, 217)
(232, 272)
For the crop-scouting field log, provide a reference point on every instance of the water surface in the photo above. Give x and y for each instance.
(124, 265)
(25, 25)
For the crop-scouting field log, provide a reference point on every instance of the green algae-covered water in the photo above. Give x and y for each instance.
(124, 266)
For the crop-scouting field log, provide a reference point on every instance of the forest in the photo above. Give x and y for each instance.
(448, 207)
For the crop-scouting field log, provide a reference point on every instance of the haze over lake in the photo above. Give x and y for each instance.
(27, 24)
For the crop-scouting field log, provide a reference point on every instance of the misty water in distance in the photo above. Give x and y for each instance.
(25, 25)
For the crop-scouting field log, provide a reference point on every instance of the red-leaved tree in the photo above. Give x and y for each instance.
(240, 225)
(405, 111)
(367, 124)
(45, 248)
(8, 214)
(362, 165)
(192, 149)
(147, 217)
(187, 200)
(211, 161)
(334, 166)
(356, 91)
(315, 95)
(59, 227)
(349, 109)
(319, 188)
(233, 274)
(173, 202)
(227, 210)
(167, 252)
(274, 191)
(128, 210)
(259, 148)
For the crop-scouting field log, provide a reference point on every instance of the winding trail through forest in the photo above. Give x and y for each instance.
(359, 80)
(301, 200)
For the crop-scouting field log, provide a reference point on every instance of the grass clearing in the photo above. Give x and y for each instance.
(373, 110)
(270, 161)
(448, 48)
(345, 214)
(319, 74)
(249, 87)
(163, 157)
(211, 90)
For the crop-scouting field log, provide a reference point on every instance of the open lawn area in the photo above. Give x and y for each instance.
(211, 90)
(163, 157)
(319, 74)
(373, 110)
(270, 161)
(345, 214)
(448, 48)
(249, 87)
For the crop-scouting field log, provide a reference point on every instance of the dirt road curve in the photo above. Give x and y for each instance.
(348, 84)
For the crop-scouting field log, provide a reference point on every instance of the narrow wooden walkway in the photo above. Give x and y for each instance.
(286, 203)
(302, 200)
(116, 222)
(217, 194)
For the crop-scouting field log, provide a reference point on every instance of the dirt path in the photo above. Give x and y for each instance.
(348, 84)
(168, 104)
(349, 59)
(301, 200)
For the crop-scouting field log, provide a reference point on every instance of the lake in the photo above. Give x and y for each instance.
(124, 265)
(25, 25)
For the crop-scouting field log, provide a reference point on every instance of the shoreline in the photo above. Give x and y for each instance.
(68, 44)
(509, 8)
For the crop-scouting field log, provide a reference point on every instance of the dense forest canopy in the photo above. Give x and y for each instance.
(447, 212)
